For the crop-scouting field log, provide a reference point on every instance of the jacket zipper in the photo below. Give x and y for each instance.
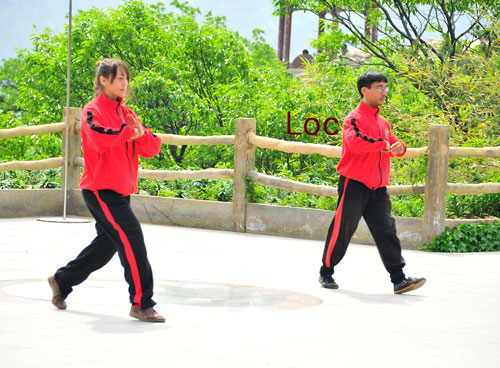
(126, 143)
(380, 152)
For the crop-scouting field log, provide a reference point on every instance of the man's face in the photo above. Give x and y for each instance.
(375, 95)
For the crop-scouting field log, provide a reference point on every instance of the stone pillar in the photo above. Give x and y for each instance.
(74, 144)
(436, 181)
(244, 160)
(288, 36)
(281, 37)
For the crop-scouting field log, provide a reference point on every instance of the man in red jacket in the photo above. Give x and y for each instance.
(364, 168)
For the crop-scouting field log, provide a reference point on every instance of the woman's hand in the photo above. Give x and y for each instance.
(133, 122)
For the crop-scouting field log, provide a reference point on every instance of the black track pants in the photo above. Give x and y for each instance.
(117, 230)
(356, 200)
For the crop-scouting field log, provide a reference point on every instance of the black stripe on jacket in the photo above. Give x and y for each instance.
(364, 137)
(101, 130)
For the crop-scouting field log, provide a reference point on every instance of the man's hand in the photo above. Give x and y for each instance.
(133, 122)
(397, 148)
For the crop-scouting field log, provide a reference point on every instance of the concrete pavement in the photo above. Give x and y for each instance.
(243, 300)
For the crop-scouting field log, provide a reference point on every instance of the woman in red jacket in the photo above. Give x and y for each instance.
(113, 137)
(367, 146)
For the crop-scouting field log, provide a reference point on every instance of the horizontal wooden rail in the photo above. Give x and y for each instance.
(414, 152)
(294, 147)
(176, 175)
(274, 182)
(178, 140)
(323, 190)
(170, 139)
(32, 130)
(186, 174)
(313, 148)
(472, 189)
(485, 152)
(405, 189)
(48, 163)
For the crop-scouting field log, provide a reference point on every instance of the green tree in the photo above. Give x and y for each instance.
(174, 83)
(401, 27)
(10, 70)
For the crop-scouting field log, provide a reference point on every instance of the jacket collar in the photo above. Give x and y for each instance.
(102, 99)
(368, 110)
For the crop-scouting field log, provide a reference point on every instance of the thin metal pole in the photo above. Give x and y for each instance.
(68, 83)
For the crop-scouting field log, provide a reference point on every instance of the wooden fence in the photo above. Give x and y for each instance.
(245, 140)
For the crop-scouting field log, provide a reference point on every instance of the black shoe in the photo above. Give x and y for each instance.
(328, 282)
(409, 283)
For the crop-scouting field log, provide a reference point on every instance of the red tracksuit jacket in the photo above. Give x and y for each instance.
(111, 158)
(365, 134)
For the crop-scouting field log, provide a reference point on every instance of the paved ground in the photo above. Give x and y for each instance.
(243, 300)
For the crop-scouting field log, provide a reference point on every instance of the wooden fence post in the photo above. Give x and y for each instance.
(244, 160)
(74, 150)
(436, 181)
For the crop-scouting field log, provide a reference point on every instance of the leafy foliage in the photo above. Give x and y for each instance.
(27, 148)
(204, 189)
(10, 70)
(482, 205)
(401, 26)
(467, 238)
(21, 179)
(464, 88)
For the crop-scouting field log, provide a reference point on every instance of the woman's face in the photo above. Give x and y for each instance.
(117, 88)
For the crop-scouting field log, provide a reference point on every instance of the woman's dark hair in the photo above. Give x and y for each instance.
(108, 68)
(368, 78)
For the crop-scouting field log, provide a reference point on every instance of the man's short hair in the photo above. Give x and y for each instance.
(368, 78)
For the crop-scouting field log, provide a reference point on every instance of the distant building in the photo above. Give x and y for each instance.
(300, 61)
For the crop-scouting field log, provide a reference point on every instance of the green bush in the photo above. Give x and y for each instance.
(203, 189)
(467, 238)
(457, 206)
(481, 205)
(24, 179)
